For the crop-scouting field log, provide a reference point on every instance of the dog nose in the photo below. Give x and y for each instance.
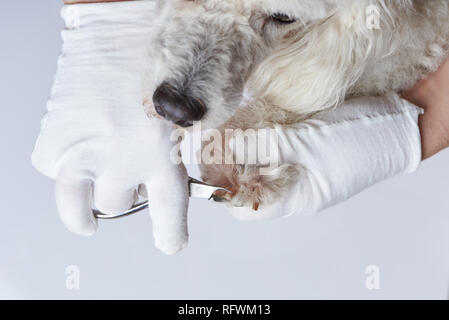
(176, 107)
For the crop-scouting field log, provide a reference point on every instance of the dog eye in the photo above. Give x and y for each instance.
(282, 18)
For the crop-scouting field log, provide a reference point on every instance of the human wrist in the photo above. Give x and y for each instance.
(432, 94)
(434, 126)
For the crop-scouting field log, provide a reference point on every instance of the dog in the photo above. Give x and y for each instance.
(258, 63)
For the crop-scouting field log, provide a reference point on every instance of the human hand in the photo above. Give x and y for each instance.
(325, 159)
(96, 140)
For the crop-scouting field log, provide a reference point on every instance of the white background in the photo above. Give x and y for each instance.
(401, 225)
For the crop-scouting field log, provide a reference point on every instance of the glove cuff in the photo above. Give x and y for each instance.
(106, 16)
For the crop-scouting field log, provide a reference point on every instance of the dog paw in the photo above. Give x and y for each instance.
(251, 186)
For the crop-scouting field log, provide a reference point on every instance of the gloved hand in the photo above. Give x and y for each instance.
(96, 140)
(342, 152)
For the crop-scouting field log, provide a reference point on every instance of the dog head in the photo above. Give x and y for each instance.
(206, 51)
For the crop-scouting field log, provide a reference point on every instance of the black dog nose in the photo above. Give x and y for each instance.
(176, 107)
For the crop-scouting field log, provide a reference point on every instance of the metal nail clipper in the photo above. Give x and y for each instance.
(197, 189)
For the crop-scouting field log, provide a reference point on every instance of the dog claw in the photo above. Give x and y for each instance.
(256, 206)
(222, 196)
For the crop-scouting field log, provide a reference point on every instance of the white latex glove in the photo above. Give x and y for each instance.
(342, 152)
(96, 139)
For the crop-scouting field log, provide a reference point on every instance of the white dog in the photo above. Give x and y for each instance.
(295, 57)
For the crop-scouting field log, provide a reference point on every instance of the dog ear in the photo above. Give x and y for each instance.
(313, 68)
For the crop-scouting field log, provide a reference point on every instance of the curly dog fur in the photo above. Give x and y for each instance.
(295, 58)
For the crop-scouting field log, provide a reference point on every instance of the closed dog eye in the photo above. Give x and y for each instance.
(282, 18)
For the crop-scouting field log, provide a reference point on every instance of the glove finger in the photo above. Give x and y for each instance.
(110, 197)
(168, 197)
(142, 191)
(74, 203)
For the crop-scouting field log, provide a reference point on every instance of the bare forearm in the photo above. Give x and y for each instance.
(434, 134)
(432, 94)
